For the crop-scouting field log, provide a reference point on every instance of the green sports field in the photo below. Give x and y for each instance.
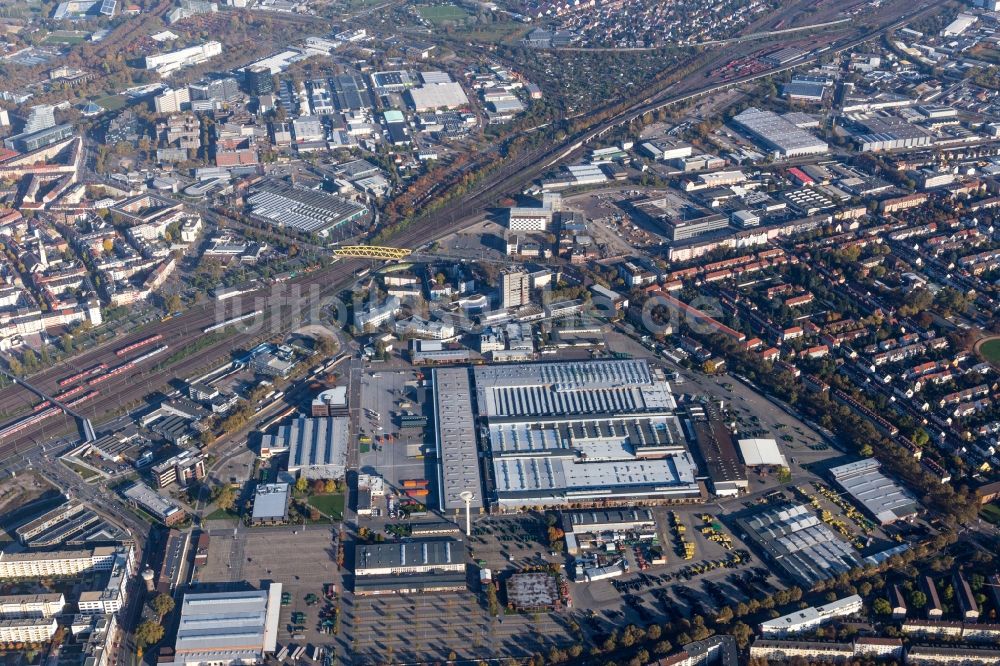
(442, 13)
(991, 350)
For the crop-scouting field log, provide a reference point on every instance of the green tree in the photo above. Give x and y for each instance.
(918, 599)
(491, 599)
(225, 497)
(742, 633)
(148, 633)
(881, 606)
(162, 604)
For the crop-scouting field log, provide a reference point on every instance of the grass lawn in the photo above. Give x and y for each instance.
(991, 350)
(111, 102)
(85, 472)
(991, 513)
(442, 13)
(504, 31)
(221, 514)
(63, 37)
(331, 505)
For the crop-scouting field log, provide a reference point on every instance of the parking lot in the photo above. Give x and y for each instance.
(430, 627)
(302, 560)
(385, 394)
(509, 543)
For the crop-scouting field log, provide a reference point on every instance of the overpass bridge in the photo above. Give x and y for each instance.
(371, 252)
(86, 427)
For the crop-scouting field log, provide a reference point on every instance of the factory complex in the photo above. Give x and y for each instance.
(584, 433)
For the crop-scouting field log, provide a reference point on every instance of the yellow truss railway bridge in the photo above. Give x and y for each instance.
(371, 252)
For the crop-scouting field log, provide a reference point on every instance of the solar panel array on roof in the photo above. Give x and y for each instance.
(350, 92)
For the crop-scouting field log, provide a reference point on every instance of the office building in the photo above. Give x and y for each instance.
(183, 469)
(534, 218)
(39, 118)
(172, 100)
(163, 509)
(418, 327)
(259, 81)
(227, 628)
(370, 316)
(34, 528)
(331, 402)
(807, 618)
(112, 596)
(27, 142)
(98, 637)
(515, 289)
(317, 447)
(219, 90)
(167, 63)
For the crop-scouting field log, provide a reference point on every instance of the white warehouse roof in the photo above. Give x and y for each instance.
(438, 95)
(757, 452)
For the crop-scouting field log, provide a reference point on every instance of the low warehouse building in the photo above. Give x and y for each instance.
(881, 497)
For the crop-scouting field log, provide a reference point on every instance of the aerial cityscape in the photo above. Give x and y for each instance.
(527, 332)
